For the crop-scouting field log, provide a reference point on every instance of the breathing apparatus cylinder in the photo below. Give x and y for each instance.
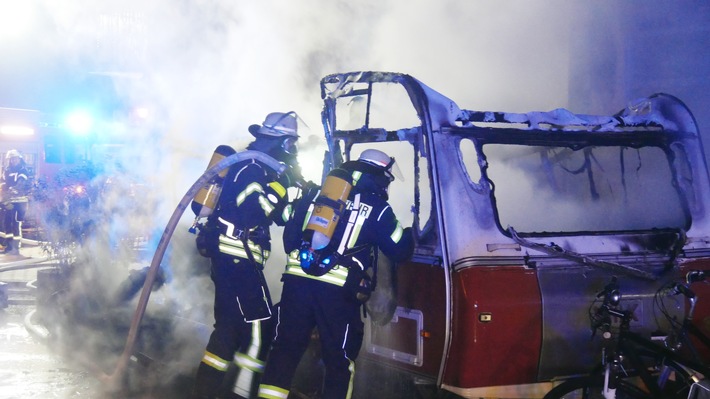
(206, 199)
(327, 210)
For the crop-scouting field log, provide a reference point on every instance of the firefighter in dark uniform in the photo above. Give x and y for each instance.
(252, 198)
(331, 302)
(15, 189)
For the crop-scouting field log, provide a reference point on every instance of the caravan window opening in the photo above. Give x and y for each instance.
(544, 189)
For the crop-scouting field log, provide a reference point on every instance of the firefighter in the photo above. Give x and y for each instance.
(15, 189)
(332, 301)
(251, 199)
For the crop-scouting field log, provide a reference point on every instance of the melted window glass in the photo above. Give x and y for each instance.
(553, 189)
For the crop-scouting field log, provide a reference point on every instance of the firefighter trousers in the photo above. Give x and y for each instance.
(13, 214)
(233, 338)
(307, 303)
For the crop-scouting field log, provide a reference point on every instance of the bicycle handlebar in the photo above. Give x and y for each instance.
(695, 276)
(688, 293)
(611, 292)
(682, 289)
(601, 320)
(612, 298)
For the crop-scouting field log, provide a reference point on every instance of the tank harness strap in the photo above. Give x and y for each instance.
(351, 223)
(245, 239)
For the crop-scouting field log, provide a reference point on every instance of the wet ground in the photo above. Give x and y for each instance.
(34, 363)
(29, 368)
(38, 363)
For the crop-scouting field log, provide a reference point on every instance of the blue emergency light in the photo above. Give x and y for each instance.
(79, 122)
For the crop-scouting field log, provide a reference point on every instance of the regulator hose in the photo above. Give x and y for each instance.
(112, 379)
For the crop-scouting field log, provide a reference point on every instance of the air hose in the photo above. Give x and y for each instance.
(112, 379)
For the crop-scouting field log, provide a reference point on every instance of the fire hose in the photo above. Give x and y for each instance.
(25, 264)
(112, 379)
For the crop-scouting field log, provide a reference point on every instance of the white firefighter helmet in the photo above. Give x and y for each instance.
(383, 161)
(13, 154)
(277, 124)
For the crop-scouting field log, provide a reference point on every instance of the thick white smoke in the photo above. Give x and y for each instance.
(210, 69)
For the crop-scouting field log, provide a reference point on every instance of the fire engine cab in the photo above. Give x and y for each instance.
(46, 145)
(63, 155)
(520, 220)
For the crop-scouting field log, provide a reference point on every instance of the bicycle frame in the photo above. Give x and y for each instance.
(695, 332)
(632, 346)
(633, 349)
(686, 332)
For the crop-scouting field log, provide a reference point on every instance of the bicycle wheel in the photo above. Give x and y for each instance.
(591, 388)
(672, 380)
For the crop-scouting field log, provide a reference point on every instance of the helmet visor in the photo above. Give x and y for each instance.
(289, 145)
(393, 172)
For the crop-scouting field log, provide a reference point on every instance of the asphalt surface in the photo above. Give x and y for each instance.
(66, 362)
(29, 368)
(30, 365)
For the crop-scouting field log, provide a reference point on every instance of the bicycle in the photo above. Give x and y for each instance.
(633, 366)
(682, 332)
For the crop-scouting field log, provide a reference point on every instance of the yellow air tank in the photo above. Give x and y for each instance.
(206, 199)
(329, 207)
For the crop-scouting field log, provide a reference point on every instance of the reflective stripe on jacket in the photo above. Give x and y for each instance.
(231, 242)
(337, 275)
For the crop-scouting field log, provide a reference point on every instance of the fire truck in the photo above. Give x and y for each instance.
(75, 114)
(520, 219)
(18, 129)
(64, 155)
(45, 144)
(45, 148)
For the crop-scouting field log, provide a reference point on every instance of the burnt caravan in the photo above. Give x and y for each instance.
(520, 220)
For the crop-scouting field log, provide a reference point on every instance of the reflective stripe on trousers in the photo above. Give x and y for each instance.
(272, 392)
(249, 364)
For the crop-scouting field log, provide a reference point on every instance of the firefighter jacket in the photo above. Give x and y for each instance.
(15, 183)
(250, 201)
(367, 223)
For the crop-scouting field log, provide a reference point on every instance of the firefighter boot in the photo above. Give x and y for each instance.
(13, 247)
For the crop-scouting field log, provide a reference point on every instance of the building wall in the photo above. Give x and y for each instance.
(633, 49)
